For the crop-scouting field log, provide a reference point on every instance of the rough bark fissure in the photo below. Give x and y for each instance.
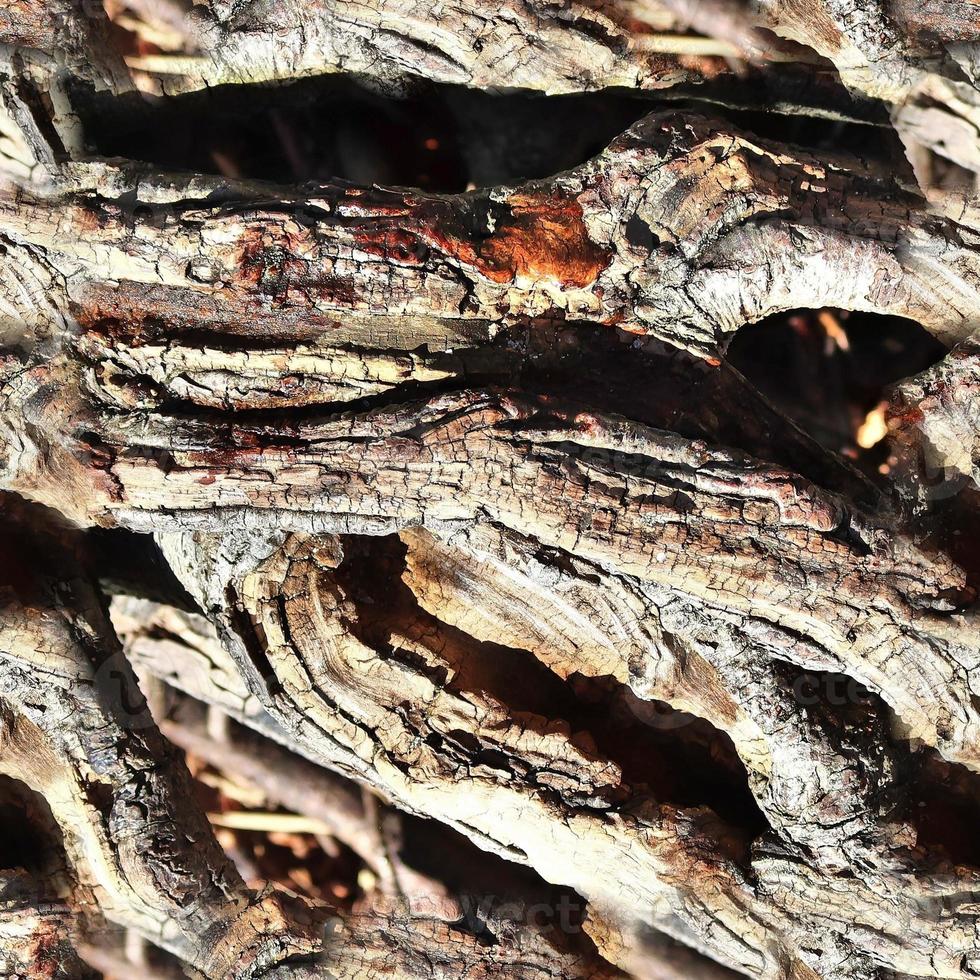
(465, 516)
(922, 62)
(142, 853)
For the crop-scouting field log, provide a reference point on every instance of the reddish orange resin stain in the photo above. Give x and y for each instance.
(543, 238)
(392, 243)
(532, 237)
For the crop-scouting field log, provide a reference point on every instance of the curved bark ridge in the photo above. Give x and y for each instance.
(138, 851)
(683, 229)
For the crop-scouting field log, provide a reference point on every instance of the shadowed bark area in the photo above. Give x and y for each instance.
(409, 565)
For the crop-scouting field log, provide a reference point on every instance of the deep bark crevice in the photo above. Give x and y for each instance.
(30, 839)
(785, 357)
(439, 137)
(679, 759)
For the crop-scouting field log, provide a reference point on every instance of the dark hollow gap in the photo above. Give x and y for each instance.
(677, 959)
(492, 891)
(29, 835)
(829, 370)
(952, 526)
(686, 760)
(943, 805)
(288, 858)
(129, 563)
(436, 137)
(679, 759)
(938, 798)
(442, 137)
(651, 382)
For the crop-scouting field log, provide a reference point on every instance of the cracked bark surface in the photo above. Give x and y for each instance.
(455, 529)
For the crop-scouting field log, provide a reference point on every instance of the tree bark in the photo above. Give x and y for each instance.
(448, 522)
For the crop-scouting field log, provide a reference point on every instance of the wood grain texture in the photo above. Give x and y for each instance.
(470, 518)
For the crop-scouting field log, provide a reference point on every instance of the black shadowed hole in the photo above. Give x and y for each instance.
(29, 835)
(943, 805)
(938, 798)
(829, 371)
(639, 233)
(437, 137)
(434, 136)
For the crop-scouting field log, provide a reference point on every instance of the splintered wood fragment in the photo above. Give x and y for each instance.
(295, 784)
(287, 823)
(348, 673)
(286, 638)
(428, 761)
(673, 647)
